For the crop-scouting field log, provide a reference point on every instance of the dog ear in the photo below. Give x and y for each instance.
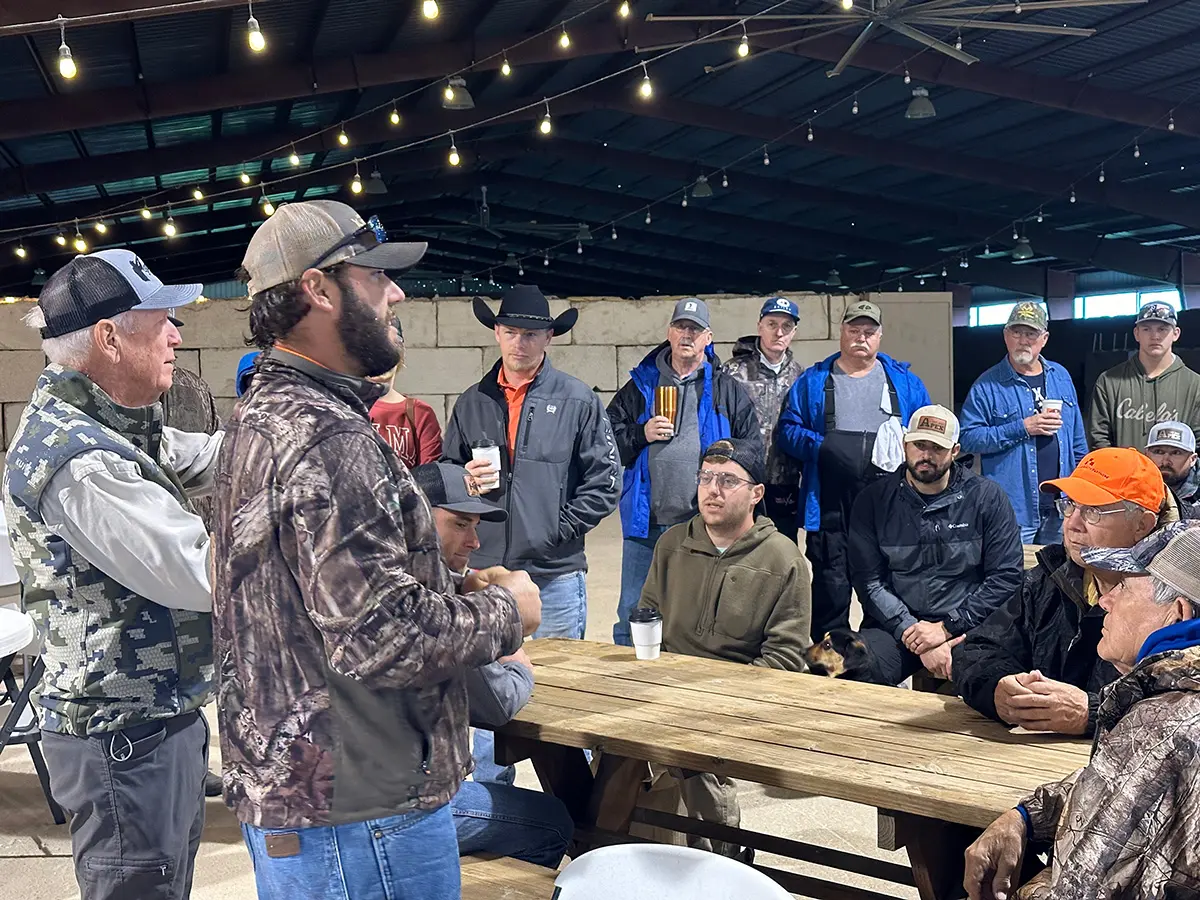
(858, 645)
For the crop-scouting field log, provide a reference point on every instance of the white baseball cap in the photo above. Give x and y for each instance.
(935, 424)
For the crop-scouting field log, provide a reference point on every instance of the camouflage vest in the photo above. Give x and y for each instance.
(113, 658)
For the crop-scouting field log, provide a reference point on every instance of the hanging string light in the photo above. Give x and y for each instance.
(646, 89)
(766, 157)
(579, 248)
(943, 271)
(394, 118)
(546, 258)
(545, 126)
(1100, 178)
(505, 68)
(1137, 151)
(254, 35)
(623, 10)
(1171, 121)
(521, 269)
(356, 185)
(743, 48)
(146, 214)
(169, 228)
(454, 159)
(66, 63)
(958, 41)
(20, 251)
(1015, 235)
(907, 77)
(268, 207)
(430, 9)
(1072, 194)
(724, 179)
(244, 178)
(647, 215)
(80, 244)
(294, 159)
(197, 194)
(101, 228)
(811, 136)
(1040, 216)
(343, 138)
(683, 201)
(847, 5)
(614, 232)
(564, 39)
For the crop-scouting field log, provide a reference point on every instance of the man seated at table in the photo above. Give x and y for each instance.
(1033, 661)
(934, 548)
(1125, 825)
(491, 817)
(729, 586)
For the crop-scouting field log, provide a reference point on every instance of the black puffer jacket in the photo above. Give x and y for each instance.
(1048, 626)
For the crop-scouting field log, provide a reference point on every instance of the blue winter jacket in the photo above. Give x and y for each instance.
(993, 425)
(724, 410)
(802, 423)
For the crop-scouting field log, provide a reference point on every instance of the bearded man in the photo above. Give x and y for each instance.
(934, 549)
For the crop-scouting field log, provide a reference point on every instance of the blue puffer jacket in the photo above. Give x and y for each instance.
(993, 425)
(724, 408)
(802, 423)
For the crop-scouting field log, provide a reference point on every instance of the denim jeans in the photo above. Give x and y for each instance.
(636, 554)
(1048, 530)
(413, 856)
(564, 614)
(511, 821)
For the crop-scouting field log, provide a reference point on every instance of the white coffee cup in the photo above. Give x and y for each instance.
(1052, 406)
(646, 627)
(490, 452)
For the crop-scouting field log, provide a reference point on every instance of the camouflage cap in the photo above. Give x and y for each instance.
(1172, 554)
(863, 309)
(1030, 314)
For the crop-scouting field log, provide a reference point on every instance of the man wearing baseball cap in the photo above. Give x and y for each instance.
(489, 817)
(1023, 419)
(1172, 447)
(339, 624)
(660, 452)
(1033, 662)
(114, 566)
(934, 548)
(1153, 386)
(830, 423)
(763, 364)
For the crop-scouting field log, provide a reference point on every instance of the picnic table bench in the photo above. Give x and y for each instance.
(937, 771)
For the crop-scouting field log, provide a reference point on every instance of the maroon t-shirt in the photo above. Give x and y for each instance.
(410, 428)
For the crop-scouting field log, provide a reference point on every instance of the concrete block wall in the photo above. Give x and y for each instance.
(447, 350)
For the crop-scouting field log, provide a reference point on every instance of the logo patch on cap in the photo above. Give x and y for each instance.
(690, 306)
(139, 269)
(1027, 311)
(929, 423)
(782, 304)
(1170, 434)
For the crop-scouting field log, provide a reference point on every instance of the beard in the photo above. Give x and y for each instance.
(1023, 357)
(929, 473)
(1171, 479)
(364, 336)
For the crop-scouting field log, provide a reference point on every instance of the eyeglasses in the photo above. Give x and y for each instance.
(782, 327)
(370, 234)
(688, 327)
(867, 331)
(1091, 514)
(724, 480)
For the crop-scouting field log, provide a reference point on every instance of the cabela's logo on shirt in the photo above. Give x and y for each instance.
(1145, 412)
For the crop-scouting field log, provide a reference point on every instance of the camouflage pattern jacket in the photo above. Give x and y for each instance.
(114, 658)
(341, 645)
(1127, 825)
(189, 406)
(767, 391)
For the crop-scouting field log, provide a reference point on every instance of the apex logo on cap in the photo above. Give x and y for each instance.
(929, 423)
(140, 269)
(1170, 434)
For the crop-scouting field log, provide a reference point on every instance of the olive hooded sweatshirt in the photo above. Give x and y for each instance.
(1126, 404)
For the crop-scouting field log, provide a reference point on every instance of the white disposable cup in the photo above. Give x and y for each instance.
(1052, 406)
(647, 638)
(492, 455)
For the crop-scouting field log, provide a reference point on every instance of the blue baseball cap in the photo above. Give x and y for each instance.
(245, 371)
(780, 305)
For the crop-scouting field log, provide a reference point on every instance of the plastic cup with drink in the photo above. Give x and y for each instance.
(489, 450)
(645, 625)
(1053, 406)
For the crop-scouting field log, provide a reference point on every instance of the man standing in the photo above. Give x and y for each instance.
(1172, 447)
(114, 566)
(1033, 661)
(344, 642)
(934, 549)
(1154, 386)
(729, 586)
(1023, 419)
(830, 423)
(559, 475)
(660, 452)
(765, 367)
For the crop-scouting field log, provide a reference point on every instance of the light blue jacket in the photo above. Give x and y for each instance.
(993, 425)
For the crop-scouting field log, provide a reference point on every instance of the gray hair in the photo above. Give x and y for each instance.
(72, 349)
(1165, 595)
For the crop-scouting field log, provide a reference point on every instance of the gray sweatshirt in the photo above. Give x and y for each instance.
(673, 463)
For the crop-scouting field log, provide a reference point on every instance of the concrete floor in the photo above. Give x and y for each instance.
(35, 855)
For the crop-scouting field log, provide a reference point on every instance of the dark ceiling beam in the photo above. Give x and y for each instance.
(29, 16)
(1002, 81)
(1128, 17)
(1045, 183)
(265, 84)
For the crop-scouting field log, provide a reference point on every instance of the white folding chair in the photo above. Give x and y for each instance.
(664, 872)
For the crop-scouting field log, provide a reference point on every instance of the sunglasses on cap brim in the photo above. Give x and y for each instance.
(369, 235)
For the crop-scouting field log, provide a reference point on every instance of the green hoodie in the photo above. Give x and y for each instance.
(750, 604)
(1126, 404)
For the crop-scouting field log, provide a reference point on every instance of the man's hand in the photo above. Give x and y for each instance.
(481, 472)
(659, 428)
(993, 863)
(924, 636)
(528, 597)
(1049, 705)
(519, 657)
(478, 579)
(938, 660)
(1043, 424)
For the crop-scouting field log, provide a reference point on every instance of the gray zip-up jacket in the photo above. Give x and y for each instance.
(565, 479)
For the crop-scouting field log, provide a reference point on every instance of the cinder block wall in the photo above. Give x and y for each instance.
(448, 350)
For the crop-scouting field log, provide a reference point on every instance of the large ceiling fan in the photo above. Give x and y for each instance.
(912, 19)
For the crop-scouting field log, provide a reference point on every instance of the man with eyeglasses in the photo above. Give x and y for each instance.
(676, 402)
(1033, 661)
(343, 642)
(1172, 447)
(831, 422)
(729, 586)
(1023, 419)
(763, 364)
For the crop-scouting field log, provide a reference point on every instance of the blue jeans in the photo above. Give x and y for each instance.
(1048, 530)
(636, 554)
(511, 821)
(413, 856)
(564, 614)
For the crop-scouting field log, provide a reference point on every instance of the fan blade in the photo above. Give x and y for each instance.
(1027, 28)
(862, 38)
(1027, 7)
(931, 42)
(807, 17)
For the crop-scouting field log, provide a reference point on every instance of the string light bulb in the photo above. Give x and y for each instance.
(20, 251)
(646, 89)
(907, 77)
(1040, 216)
(197, 194)
(343, 138)
(614, 232)
(356, 185)
(521, 269)
(394, 118)
(60, 239)
(101, 228)
(683, 201)
(146, 214)
(545, 126)
(1015, 235)
(448, 93)
(454, 159)
(430, 9)
(80, 244)
(854, 108)
(647, 217)
(244, 178)
(847, 5)
(743, 48)
(564, 39)
(169, 228)
(579, 248)
(958, 41)
(66, 63)
(505, 68)
(1017, 7)
(1137, 151)
(1072, 195)
(943, 271)
(546, 258)
(1171, 122)
(766, 157)
(268, 207)
(811, 136)
(1100, 177)
(623, 10)
(294, 159)
(254, 35)
(724, 180)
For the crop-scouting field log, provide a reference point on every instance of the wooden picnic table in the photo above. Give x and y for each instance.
(937, 771)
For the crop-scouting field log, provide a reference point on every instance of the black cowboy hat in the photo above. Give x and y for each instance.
(525, 307)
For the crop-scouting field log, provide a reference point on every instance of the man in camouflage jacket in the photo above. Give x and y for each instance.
(341, 642)
(114, 565)
(763, 364)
